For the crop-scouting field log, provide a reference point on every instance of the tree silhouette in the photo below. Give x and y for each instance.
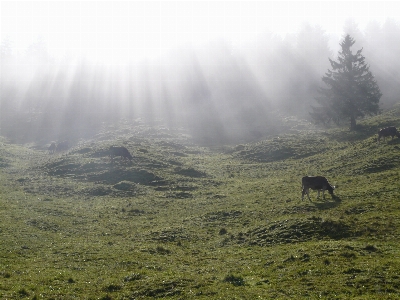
(351, 90)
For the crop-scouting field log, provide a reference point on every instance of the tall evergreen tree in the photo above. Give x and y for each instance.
(351, 90)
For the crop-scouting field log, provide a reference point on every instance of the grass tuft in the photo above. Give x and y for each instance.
(235, 280)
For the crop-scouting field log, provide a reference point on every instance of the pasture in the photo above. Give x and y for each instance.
(188, 222)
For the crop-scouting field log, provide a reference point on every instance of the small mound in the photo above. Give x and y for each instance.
(100, 191)
(124, 186)
(294, 231)
(129, 188)
(171, 235)
(281, 148)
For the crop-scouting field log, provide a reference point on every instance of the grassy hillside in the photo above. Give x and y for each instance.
(184, 222)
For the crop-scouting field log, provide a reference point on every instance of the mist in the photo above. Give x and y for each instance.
(218, 91)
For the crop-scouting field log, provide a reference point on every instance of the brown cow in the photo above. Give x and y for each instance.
(388, 131)
(315, 183)
(120, 151)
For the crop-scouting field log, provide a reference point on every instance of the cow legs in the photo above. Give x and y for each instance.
(305, 191)
(323, 193)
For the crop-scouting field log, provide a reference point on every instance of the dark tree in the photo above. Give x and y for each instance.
(351, 90)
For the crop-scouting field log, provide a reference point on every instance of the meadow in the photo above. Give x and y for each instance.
(183, 221)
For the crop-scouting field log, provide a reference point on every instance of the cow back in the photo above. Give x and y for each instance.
(316, 183)
(388, 131)
(120, 151)
(62, 146)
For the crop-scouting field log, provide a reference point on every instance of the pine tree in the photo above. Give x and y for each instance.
(351, 90)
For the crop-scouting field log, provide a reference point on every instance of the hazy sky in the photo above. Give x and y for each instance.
(114, 31)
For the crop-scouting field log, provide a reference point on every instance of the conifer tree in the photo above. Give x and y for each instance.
(351, 90)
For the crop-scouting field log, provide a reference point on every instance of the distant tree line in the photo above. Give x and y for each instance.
(220, 93)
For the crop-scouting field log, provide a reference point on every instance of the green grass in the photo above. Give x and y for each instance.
(184, 222)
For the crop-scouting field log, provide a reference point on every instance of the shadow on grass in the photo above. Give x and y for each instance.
(328, 204)
(114, 176)
(394, 141)
(362, 132)
(3, 163)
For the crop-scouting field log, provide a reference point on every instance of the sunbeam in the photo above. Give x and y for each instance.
(224, 71)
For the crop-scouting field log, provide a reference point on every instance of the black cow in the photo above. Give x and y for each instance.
(62, 146)
(52, 148)
(315, 183)
(388, 131)
(120, 151)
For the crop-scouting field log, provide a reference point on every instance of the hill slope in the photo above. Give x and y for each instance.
(184, 222)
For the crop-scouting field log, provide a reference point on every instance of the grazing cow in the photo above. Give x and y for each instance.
(62, 146)
(120, 151)
(388, 131)
(315, 183)
(52, 148)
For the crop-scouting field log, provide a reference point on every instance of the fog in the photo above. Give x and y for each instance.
(233, 84)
